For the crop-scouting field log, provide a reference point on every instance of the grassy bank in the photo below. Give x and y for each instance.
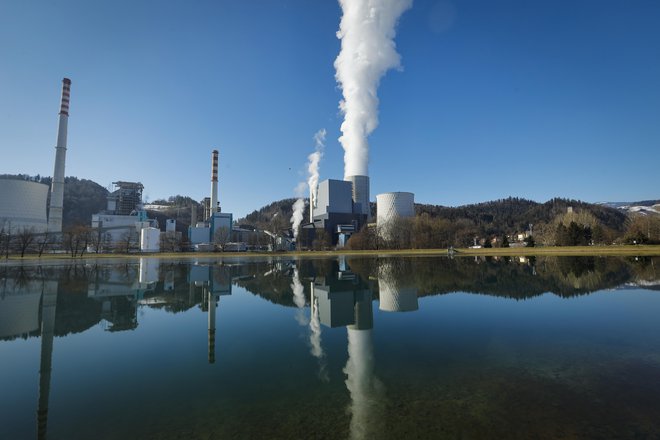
(538, 251)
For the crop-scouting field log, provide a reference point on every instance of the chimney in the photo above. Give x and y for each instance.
(214, 182)
(57, 186)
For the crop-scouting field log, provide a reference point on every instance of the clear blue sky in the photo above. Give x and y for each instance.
(534, 99)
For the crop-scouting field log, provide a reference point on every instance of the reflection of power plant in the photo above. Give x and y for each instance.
(215, 281)
(19, 315)
(344, 300)
(121, 290)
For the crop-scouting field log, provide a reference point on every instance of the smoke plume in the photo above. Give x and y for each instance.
(367, 32)
(313, 169)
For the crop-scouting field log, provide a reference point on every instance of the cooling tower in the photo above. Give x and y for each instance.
(393, 205)
(360, 194)
(57, 187)
(214, 182)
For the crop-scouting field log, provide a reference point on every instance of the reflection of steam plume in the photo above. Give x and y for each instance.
(315, 337)
(312, 182)
(298, 297)
(367, 30)
(367, 392)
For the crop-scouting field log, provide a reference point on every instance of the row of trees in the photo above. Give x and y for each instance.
(567, 229)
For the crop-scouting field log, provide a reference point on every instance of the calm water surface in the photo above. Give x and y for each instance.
(343, 348)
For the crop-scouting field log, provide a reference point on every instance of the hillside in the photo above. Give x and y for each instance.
(491, 218)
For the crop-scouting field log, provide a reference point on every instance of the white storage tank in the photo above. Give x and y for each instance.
(170, 225)
(393, 205)
(150, 240)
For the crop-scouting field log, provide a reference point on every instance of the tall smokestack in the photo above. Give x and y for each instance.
(361, 194)
(57, 186)
(214, 182)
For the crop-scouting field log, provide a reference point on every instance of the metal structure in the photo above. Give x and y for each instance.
(126, 199)
(57, 187)
(23, 205)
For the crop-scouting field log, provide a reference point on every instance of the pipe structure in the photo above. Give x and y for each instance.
(214, 182)
(57, 186)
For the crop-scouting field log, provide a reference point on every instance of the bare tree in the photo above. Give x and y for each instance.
(127, 241)
(25, 238)
(221, 236)
(42, 242)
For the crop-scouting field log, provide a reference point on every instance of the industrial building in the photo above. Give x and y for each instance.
(340, 208)
(124, 214)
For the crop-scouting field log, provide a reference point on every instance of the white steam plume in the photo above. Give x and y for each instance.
(298, 210)
(367, 32)
(313, 169)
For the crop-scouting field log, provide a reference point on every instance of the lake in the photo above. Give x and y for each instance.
(331, 348)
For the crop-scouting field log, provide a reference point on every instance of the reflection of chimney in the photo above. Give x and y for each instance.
(48, 305)
(212, 303)
(214, 182)
(57, 185)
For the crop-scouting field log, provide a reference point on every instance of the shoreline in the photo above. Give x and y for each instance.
(555, 251)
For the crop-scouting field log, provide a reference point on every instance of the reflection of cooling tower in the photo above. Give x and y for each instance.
(360, 194)
(396, 299)
(57, 186)
(393, 205)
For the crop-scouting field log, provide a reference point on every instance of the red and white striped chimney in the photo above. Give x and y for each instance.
(57, 186)
(214, 181)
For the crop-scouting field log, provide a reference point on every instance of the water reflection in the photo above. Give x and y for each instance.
(56, 301)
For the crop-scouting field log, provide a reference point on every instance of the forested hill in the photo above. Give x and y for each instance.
(493, 218)
(516, 214)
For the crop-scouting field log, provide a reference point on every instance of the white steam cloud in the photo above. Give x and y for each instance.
(367, 32)
(313, 169)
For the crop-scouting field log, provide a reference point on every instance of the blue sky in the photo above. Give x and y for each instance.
(495, 99)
